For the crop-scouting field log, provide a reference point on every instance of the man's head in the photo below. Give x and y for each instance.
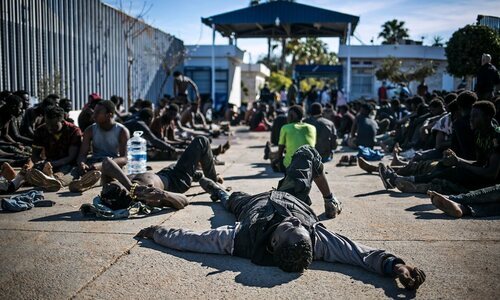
(177, 74)
(170, 113)
(292, 246)
(316, 109)
(66, 104)
(449, 98)
(395, 104)
(366, 109)
(146, 115)
(453, 110)
(94, 98)
(13, 105)
(481, 115)
(416, 102)
(485, 59)
(117, 100)
(295, 114)
(343, 109)
(436, 107)
(54, 115)
(104, 112)
(25, 96)
(465, 100)
(146, 104)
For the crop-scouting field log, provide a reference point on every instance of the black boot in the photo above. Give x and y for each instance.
(215, 190)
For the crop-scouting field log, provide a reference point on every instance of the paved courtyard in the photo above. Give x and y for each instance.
(55, 253)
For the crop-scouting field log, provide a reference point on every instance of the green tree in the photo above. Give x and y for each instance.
(437, 41)
(392, 69)
(393, 31)
(466, 46)
(278, 79)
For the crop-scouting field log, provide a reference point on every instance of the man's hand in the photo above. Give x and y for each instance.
(147, 232)
(450, 158)
(83, 168)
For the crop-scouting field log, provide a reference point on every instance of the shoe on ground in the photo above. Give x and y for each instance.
(385, 176)
(344, 161)
(366, 166)
(215, 190)
(39, 179)
(267, 150)
(218, 162)
(86, 182)
(333, 207)
(353, 160)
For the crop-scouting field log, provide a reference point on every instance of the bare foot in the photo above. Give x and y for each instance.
(396, 161)
(220, 179)
(410, 277)
(8, 172)
(47, 169)
(217, 150)
(449, 207)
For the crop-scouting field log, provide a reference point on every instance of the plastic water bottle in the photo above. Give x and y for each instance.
(137, 154)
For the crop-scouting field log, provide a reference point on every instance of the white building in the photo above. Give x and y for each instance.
(228, 60)
(253, 77)
(365, 60)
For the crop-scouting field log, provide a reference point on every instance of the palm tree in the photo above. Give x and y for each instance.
(437, 41)
(393, 31)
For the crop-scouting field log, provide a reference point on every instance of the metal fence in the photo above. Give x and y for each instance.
(82, 47)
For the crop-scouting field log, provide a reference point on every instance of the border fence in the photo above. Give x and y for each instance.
(75, 48)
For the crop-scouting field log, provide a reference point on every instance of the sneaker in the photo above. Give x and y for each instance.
(385, 176)
(344, 161)
(267, 150)
(215, 190)
(86, 182)
(39, 179)
(353, 160)
(366, 166)
(333, 207)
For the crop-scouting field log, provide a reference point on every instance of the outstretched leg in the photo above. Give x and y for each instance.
(197, 152)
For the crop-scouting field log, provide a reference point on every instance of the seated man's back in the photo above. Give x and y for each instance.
(295, 134)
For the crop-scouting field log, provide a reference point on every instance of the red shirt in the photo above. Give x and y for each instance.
(57, 145)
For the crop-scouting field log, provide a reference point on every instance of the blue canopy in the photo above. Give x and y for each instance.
(282, 19)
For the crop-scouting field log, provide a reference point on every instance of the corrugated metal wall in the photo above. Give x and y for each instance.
(84, 42)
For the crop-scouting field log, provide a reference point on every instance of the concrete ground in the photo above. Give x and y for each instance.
(55, 253)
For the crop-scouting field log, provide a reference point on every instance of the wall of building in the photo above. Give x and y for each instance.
(365, 60)
(228, 59)
(253, 77)
(84, 43)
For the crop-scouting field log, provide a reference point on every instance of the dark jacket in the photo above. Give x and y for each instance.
(259, 218)
(326, 135)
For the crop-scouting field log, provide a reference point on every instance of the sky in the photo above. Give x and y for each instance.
(424, 18)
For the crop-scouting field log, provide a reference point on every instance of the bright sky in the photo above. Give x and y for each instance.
(424, 18)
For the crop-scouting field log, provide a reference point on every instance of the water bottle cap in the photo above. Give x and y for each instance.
(138, 133)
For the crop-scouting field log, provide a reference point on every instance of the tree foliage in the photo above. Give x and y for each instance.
(467, 45)
(392, 70)
(277, 80)
(393, 31)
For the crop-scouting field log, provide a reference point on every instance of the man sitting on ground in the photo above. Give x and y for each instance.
(292, 136)
(107, 139)
(479, 203)
(326, 134)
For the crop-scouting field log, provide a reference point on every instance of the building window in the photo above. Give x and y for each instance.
(362, 84)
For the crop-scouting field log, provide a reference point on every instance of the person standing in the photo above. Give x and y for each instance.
(487, 78)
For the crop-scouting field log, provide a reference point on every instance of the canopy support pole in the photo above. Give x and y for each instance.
(348, 79)
(213, 65)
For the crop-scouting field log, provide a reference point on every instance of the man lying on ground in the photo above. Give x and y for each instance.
(278, 229)
(165, 187)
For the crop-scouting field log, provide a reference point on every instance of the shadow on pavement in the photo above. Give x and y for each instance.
(77, 216)
(388, 284)
(421, 207)
(263, 174)
(249, 274)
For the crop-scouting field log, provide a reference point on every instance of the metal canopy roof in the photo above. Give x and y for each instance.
(279, 19)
